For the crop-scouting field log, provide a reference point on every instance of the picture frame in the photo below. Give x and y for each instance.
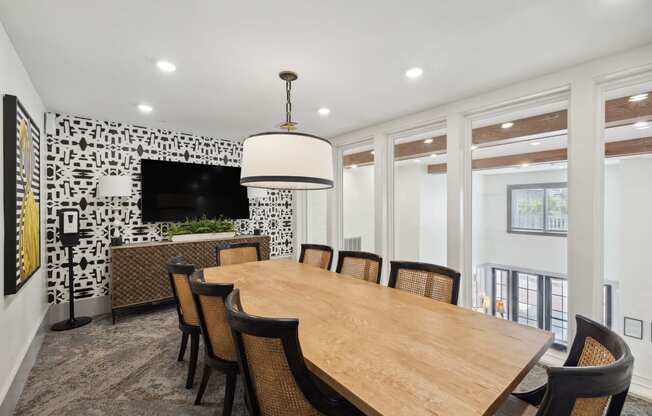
(633, 328)
(22, 195)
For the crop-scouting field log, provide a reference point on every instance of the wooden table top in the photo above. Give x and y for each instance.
(387, 351)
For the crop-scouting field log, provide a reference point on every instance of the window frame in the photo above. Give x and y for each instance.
(544, 298)
(534, 186)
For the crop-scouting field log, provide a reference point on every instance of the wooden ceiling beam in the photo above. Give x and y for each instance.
(612, 149)
(618, 112)
(411, 150)
(544, 156)
(358, 159)
(528, 126)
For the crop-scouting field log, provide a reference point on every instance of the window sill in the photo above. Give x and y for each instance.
(533, 232)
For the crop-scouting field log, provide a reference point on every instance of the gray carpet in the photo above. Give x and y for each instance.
(130, 369)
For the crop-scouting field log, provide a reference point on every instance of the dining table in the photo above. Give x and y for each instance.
(388, 351)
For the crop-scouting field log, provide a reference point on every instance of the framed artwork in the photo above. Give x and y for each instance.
(633, 328)
(22, 194)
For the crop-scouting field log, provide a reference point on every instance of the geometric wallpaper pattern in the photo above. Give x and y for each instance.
(80, 150)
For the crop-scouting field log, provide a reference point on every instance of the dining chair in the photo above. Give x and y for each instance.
(277, 380)
(359, 264)
(236, 253)
(595, 377)
(218, 341)
(316, 255)
(178, 272)
(429, 280)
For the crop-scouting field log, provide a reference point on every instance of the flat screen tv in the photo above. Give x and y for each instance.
(174, 191)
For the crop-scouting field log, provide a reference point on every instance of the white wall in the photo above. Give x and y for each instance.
(20, 314)
(419, 214)
(491, 239)
(316, 211)
(358, 205)
(628, 239)
(432, 233)
(407, 210)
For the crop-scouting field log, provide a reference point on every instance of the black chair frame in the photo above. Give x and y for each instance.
(426, 267)
(235, 245)
(566, 384)
(321, 247)
(212, 361)
(359, 255)
(179, 266)
(315, 391)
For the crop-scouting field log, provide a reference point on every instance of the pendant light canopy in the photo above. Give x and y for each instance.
(287, 159)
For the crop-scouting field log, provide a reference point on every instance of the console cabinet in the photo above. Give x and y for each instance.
(139, 271)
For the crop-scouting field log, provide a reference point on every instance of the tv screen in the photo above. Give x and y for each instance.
(174, 191)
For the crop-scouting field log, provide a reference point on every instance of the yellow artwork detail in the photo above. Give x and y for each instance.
(29, 221)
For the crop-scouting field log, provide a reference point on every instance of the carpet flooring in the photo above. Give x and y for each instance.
(130, 369)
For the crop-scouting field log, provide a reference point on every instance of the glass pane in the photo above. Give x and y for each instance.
(559, 309)
(420, 197)
(501, 302)
(557, 209)
(527, 209)
(627, 202)
(519, 207)
(358, 198)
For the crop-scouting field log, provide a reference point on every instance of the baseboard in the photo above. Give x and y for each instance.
(10, 400)
(83, 307)
(641, 387)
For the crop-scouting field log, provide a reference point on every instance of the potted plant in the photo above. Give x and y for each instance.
(194, 229)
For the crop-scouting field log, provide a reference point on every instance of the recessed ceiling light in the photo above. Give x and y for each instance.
(638, 97)
(535, 144)
(525, 165)
(474, 147)
(323, 111)
(145, 108)
(507, 125)
(353, 166)
(428, 141)
(373, 152)
(433, 155)
(642, 125)
(413, 73)
(166, 66)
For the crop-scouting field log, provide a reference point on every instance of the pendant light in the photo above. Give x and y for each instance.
(287, 159)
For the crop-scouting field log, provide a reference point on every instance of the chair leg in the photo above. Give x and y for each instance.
(204, 381)
(229, 394)
(184, 344)
(616, 404)
(194, 350)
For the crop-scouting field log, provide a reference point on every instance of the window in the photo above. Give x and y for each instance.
(557, 317)
(528, 312)
(419, 204)
(358, 196)
(501, 304)
(541, 300)
(607, 305)
(538, 208)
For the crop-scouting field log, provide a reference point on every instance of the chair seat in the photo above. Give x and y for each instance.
(514, 406)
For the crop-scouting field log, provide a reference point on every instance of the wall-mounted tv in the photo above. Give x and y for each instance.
(174, 191)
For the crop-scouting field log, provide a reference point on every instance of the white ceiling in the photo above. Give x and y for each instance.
(95, 58)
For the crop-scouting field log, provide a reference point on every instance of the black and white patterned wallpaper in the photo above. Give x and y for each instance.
(80, 150)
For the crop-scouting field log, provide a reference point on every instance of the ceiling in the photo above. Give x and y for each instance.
(96, 58)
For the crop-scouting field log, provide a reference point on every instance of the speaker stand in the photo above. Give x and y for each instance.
(71, 322)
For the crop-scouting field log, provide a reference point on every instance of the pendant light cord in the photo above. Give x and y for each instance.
(288, 105)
